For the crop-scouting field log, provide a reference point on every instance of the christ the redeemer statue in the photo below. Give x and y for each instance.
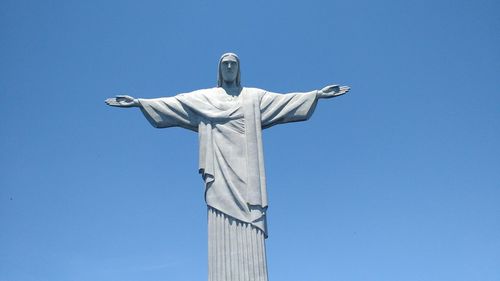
(229, 120)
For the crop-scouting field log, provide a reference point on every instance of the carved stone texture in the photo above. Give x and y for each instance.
(229, 120)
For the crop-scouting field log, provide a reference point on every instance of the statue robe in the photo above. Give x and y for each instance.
(231, 159)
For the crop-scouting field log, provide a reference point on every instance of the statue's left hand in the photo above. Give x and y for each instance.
(332, 91)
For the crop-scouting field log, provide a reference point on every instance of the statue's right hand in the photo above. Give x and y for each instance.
(122, 101)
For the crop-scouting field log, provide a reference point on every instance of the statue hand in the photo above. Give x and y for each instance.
(332, 91)
(122, 101)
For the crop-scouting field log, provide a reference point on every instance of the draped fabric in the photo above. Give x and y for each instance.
(231, 158)
(231, 162)
(236, 250)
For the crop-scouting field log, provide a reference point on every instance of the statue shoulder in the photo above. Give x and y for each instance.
(198, 93)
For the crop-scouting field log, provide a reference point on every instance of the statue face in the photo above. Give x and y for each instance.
(229, 69)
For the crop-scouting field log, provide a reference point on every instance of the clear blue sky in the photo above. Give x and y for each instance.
(398, 180)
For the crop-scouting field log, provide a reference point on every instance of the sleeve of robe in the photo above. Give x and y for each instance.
(173, 111)
(284, 108)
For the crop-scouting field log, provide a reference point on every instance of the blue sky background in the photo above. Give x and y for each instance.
(398, 180)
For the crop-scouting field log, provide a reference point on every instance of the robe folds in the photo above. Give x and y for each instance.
(231, 158)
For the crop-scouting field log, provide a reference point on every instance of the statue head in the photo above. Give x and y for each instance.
(229, 70)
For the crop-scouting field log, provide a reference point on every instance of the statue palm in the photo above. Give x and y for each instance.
(332, 91)
(122, 101)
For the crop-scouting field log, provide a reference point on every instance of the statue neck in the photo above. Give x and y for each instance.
(231, 88)
(229, 84)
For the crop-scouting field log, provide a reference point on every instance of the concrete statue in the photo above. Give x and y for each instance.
(229, 120)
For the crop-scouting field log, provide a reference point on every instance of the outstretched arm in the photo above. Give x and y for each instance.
(332, 91)
(162, 112)
(123, 101)
(293, 107)
(283, 108)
